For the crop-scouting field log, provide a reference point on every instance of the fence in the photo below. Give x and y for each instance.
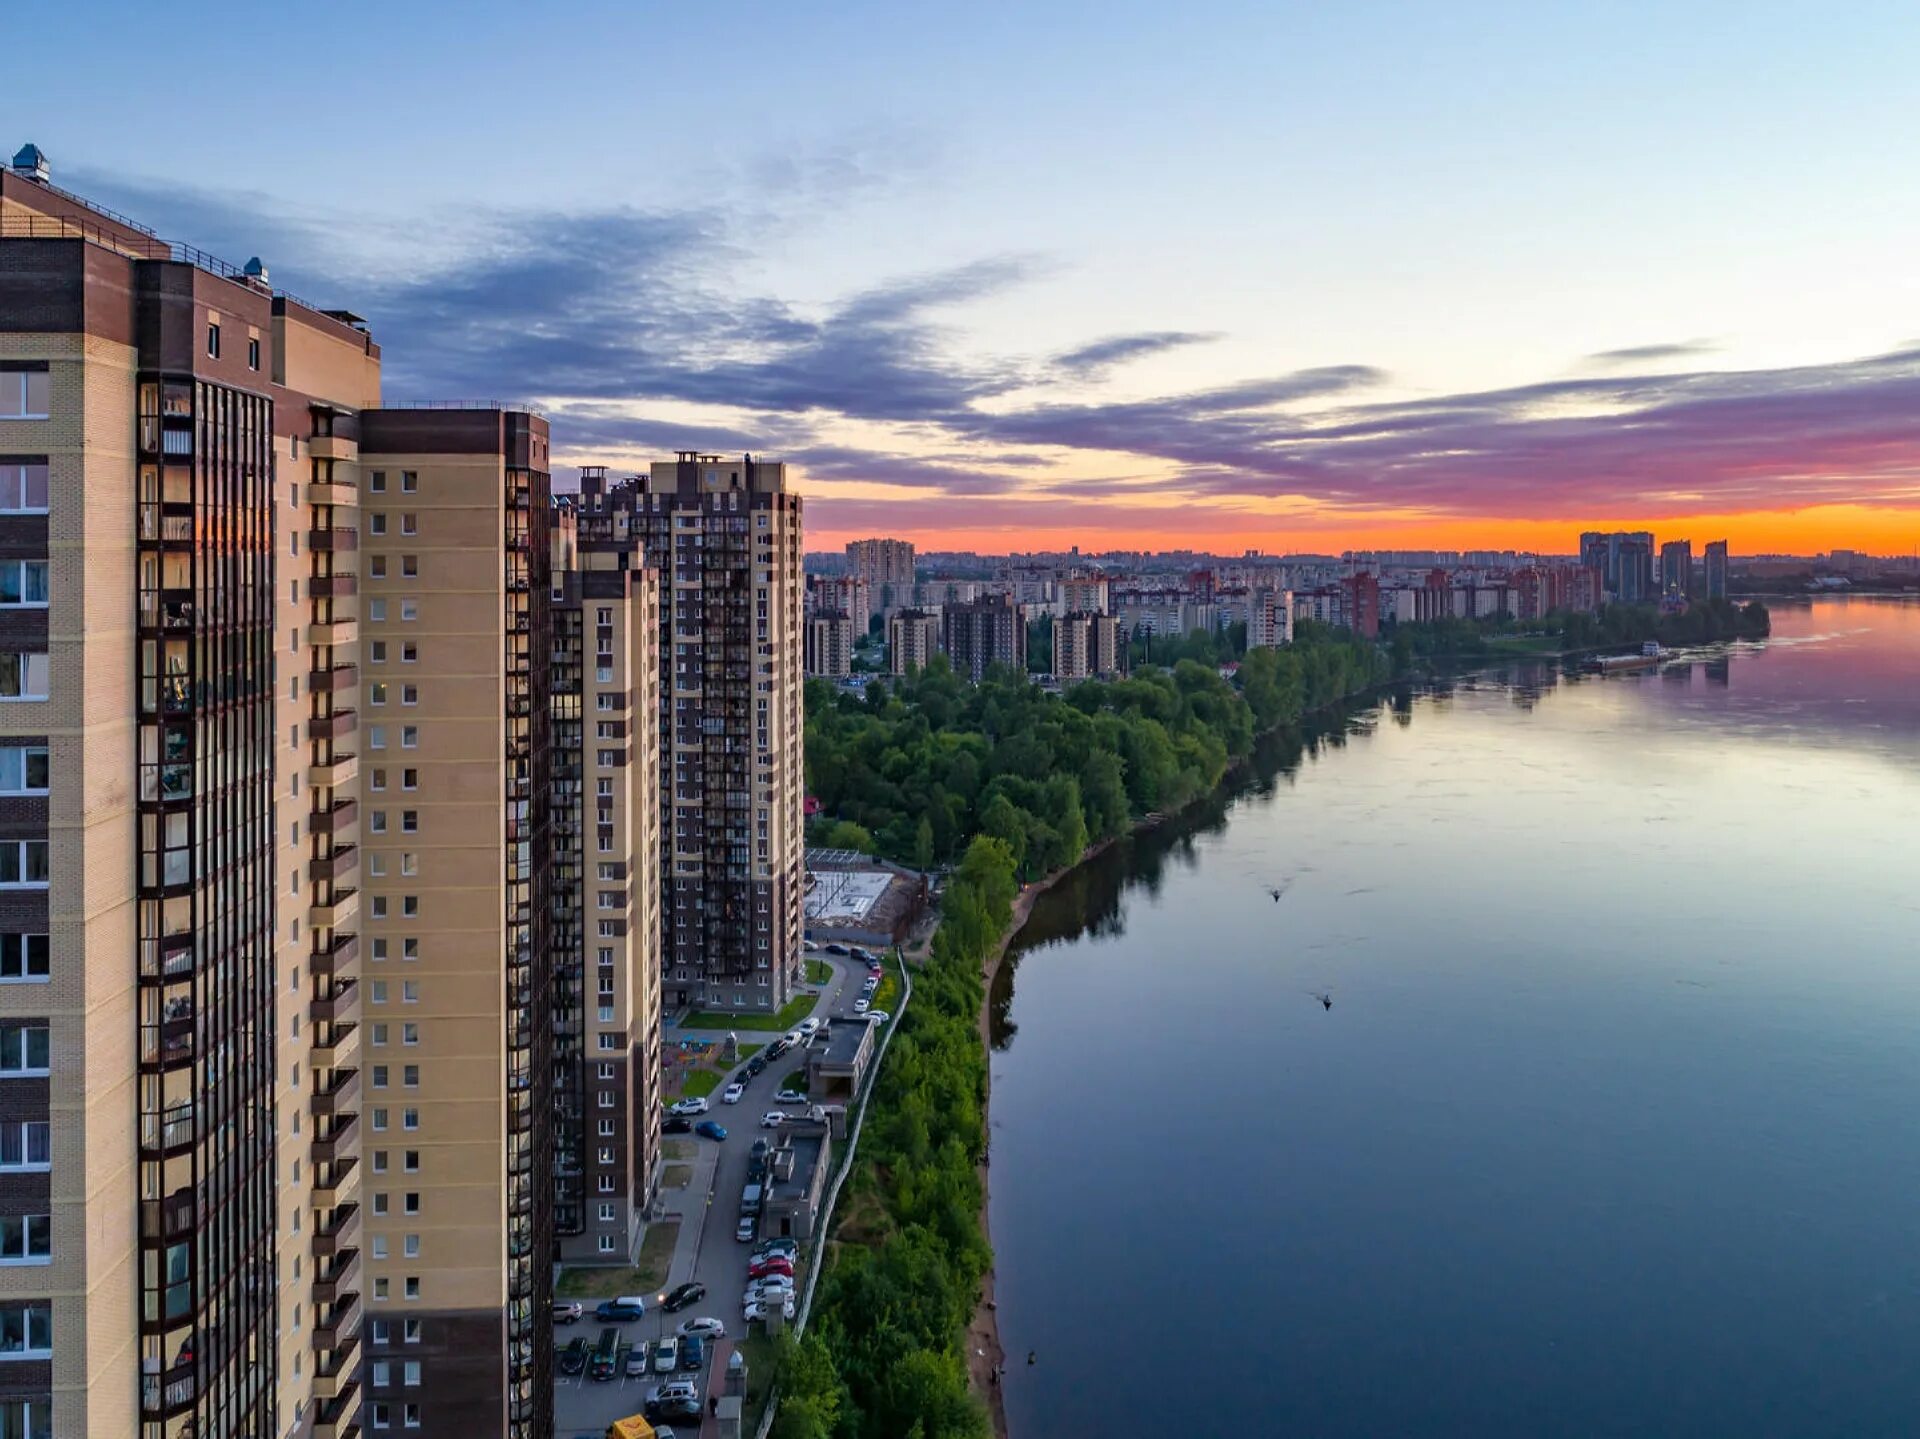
(825, 1224)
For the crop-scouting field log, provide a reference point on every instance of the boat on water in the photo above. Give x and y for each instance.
(1650, 655)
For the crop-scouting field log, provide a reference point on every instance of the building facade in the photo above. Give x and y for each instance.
(984, 632)
(1676, 568)
(1085, 646)
(913, 639)
(829, 645)
(1716, 569)
(886, 568)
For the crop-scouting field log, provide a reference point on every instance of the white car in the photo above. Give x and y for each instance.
(810, 1025)
(810, 946)
(733, 1093)
(794, 1038)
(789, 1096)
(666, 1355)
(878, 1016)
(860, 1005)
(772, 1287)
(772, 1119)
(758, 1310)
(691, 1106)
(705, 1326)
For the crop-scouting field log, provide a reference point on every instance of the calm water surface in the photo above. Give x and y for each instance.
(1611, 1128)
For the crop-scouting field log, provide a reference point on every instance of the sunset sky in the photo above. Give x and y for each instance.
(1226, 275)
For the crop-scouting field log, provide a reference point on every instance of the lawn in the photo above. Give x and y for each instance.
(699, 1083)
(889, 989)
(747, 1051)
(647, 1277)
(819, 972)
(682, 1149)
(676, 1176)
(797, 1082)
(797, 1009)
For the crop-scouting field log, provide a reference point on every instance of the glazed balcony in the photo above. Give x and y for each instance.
(165, 1221)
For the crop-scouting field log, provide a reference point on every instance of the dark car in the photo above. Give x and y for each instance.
(707, 1129)
(683, 1296)
(837, 949)
(676, 1124)
(756, 1065)
(693, 1351)
(573, 1359)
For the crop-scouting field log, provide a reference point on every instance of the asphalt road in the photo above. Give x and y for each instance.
(719, 1261)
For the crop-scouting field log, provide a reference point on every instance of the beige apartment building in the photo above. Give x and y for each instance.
(913, 639)
(829, 645)
(274, 1038)
(885, 570)
(606, 895)
(1085, 646)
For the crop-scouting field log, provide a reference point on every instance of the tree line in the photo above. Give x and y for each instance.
(912, 771)
(1702, 622)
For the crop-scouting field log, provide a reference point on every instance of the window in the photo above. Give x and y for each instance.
(26, 1239)
(410, 1246)
(410, 1076)
(380, 1203)
(606, 1071)
(379, 1076)
(377, 821)
(380, 1288)
(411, 1334)
(25, 393)
(23, 676)
(253, 354)
(409, 862)
(376, 693)
(382, 1369)
(378, 780)
(409, 609)
(379, 1034)
(411, 1373)
(409, 1033)
(409, 694)
(409, 779)
(376, 736)
(379, 1161)
(413, 1292)
(409, 524)
(382, 1416)
(379, 1252)
(23, 769)
(26, 1330)
(409, 652)
(410, 1161)
(23, 486)
(409, 1119)
(606, 1244)
(380, 1331)
(379, 652)
(410, 991)
(377, 610)
(410, 906)
(23, 584)
(376, 522)
(410, 1413)
(410, 947)
(606, 1129)
(376, 567)
(379, 1117)
(26, 1145)
(409, 481)
(410, 821)
(409, 736)
(409, 567)
(377, 482)
(23, 864)
(213, 342)
(606, 1214)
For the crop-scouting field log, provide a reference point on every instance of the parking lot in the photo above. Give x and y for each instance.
(707, 1251)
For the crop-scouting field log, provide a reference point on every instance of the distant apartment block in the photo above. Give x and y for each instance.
(1676, 568)
(1082, 594)
(886, 567)
(1269, 619)
(988, 631)
(913, 639)
(1085, 646)
(829, 645)
(1716, 569)
(847, 595)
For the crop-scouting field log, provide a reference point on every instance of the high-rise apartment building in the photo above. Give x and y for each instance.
(1626, 561)
(605, 621)
(1085, 646)
(886, 567)
(847, 595)
(1360, 604)
(913, 639)
(457, 1050)
(1269, 618)
(829, 645)
(1716, 566)
(1083, 594)
(273, 746)
(983, 632)
(725, 536)
(1676, 567)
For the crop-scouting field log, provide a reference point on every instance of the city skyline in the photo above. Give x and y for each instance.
(1036, 305)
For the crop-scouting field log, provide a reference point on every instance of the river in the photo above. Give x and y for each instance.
(1610, 1129)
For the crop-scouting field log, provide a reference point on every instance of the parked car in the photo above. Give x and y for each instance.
(788, 1096)
(573, 1359)
(666, 1356)
(870, 983)
(860, 1005)
(676, 1399)
(758, 1310)
(637, 1362)
(809, 946)
(566, 1311)
(693, 1351)
(776, 1049)
(756, 1065)
(772, 1119)
(706, 1326)
(782, 1245)
(733, 1093)
(621, 1310)
(838, 949)
(876, 1016)
(746, 1229)
(772, 1264)
(676, 1124)
(707, 1129)
(691, 1106)
(688, 1293)
(810, 1024)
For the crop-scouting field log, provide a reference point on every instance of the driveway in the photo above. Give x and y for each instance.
(707, 1252)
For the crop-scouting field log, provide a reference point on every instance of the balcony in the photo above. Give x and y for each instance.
(336, 726)
(336, 632)
(339, 1094)
(342, 859)
(334, 1145)
(334, 677)
(338, 773)
(320, 492)
(164, 1221)
(336, 957)
(334, 541)
(331, 821)
(336, 1046)
(336, 913)
(331, 447)
(333, 587)
(337, 1004)
(345, 1320)
(339, 1417)
(331, 1283)
(335, 1186)
(343, 1369)
(339, 1234)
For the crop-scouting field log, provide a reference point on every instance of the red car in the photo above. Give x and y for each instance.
(774, 1264)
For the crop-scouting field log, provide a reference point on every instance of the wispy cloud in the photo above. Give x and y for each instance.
(1650, 354)
(1103, 355)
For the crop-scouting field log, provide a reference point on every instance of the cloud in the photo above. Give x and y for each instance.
(1642, 354)
(1102, 355)
(634, 330)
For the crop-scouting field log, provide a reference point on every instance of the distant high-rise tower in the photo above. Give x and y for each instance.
(887, 568)
(984, 632)
(1716, 569)
(1676, 567)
